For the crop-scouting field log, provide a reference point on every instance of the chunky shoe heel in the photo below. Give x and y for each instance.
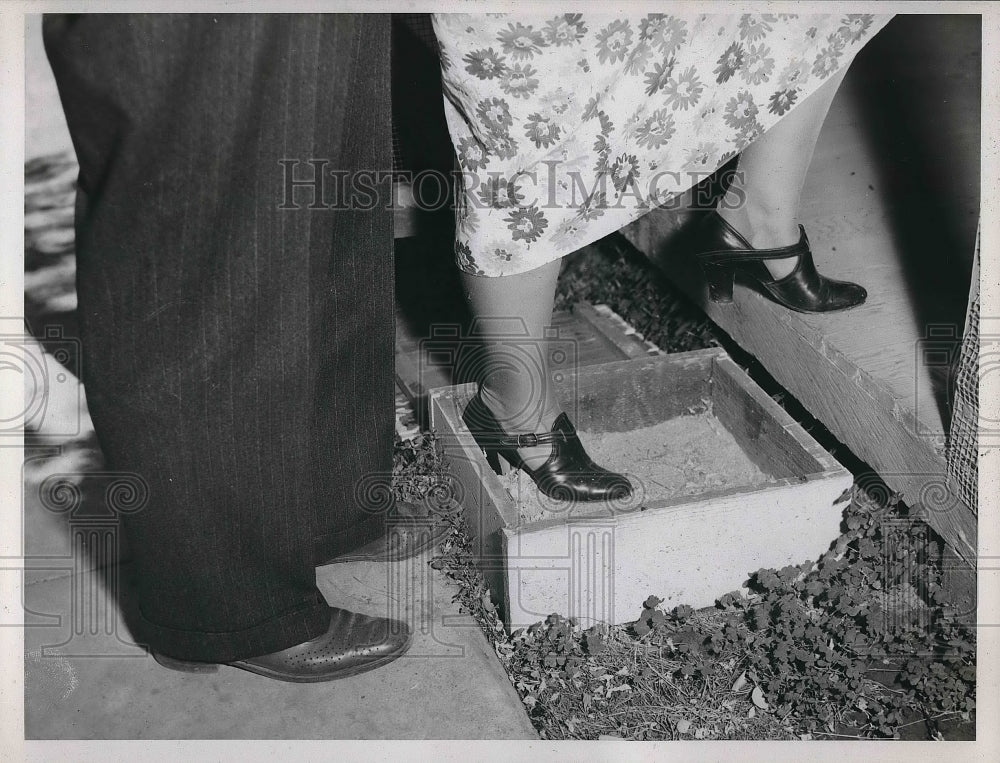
(185, 666)
(497, 462)
(720, 283)
(567, 475)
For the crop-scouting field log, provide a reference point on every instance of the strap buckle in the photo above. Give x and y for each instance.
(532, 440)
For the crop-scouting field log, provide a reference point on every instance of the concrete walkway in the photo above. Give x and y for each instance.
(85, 679)
(95, 686)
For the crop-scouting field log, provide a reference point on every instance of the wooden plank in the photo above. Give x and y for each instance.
(619, 397)
(608, 324)
(763, 431)
(591, 345)
(485, 504)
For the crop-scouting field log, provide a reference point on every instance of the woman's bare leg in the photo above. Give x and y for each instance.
(763, 202)
(516, 381)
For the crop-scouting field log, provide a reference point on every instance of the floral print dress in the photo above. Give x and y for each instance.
(569, 127)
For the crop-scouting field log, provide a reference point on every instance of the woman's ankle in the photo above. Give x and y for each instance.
(763, 231)
(524, 416)
(519, 413)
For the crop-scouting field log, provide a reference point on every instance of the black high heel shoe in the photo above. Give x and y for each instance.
(567, 475)
(724, 255)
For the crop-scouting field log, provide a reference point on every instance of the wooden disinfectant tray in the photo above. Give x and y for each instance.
(725, 483)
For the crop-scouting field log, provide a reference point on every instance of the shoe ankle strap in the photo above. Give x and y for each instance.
(729, 254)
(725, 257)
(531, 440)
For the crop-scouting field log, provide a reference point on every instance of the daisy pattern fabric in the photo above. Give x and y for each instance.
(569, 127)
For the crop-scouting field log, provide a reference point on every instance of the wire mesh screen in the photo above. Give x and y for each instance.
(963, 439)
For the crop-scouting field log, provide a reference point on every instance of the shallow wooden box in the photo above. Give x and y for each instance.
(598, 563)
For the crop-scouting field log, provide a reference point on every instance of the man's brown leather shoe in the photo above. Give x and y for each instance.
(352, 644)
